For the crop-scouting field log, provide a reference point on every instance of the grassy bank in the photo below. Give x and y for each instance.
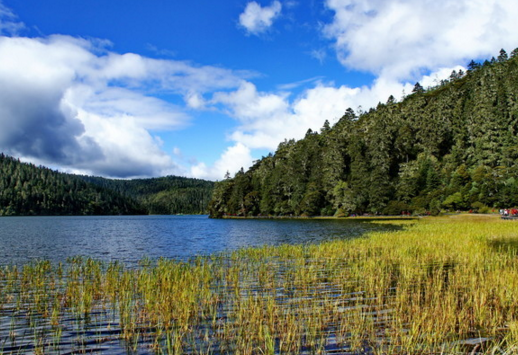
(444, 285)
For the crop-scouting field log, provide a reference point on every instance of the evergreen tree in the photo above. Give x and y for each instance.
(448, 147)
(29, 190)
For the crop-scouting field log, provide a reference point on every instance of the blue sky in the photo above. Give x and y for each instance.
(150, 88)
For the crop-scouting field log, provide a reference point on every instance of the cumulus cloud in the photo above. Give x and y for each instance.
(129, 149)
(233, 158)
(68, 102)
(403, 39)
(268, 118)
(256, 19)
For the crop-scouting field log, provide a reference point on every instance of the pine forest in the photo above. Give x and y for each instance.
(26, 189)
(453, 146)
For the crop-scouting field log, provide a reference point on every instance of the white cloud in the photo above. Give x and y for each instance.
(234, 158)
(400, 39)
(177, 151)
(66, 105)
(256, 19)
(195, 100)
(319, 54)
(435, 78)
(148, 112)
(297, 84)
(268, 118)
(128, 148)
(248, 105)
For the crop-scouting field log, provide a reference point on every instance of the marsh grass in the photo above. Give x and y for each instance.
(444, 285)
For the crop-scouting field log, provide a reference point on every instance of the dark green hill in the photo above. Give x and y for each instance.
(29, 190)
(165, 195)
(454, 146)
(26, 189)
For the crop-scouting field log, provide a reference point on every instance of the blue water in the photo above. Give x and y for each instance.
(130, 238)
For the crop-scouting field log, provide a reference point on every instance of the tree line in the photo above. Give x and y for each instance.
(163, 195)
(26, 189)
(453, 146)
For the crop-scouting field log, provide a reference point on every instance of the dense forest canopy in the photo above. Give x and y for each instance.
(164, 195)
(26, 189)
(453, 146)
(29, 190)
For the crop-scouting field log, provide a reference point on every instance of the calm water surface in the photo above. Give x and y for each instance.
(130, 238)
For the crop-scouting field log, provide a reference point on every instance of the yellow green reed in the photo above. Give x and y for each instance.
(446, 285)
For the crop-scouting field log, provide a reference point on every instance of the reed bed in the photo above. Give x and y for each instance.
(445, 285)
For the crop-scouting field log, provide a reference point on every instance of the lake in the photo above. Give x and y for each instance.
(130, 238)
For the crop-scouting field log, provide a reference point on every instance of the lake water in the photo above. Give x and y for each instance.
(130, 238)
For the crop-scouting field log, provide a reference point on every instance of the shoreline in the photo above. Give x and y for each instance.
(385, 218)
(372, 217)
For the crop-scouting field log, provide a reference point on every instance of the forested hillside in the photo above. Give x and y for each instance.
(165, 195)
(453, 146)
(29, 190)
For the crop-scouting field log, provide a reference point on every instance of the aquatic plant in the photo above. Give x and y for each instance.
(437, 286)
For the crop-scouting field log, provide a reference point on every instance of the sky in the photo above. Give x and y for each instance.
(134, 88)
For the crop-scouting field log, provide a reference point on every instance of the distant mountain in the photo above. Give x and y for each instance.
(26, 189)
(453, 146)
(164, 195)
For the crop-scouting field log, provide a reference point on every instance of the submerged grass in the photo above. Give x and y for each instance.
(444, 285)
